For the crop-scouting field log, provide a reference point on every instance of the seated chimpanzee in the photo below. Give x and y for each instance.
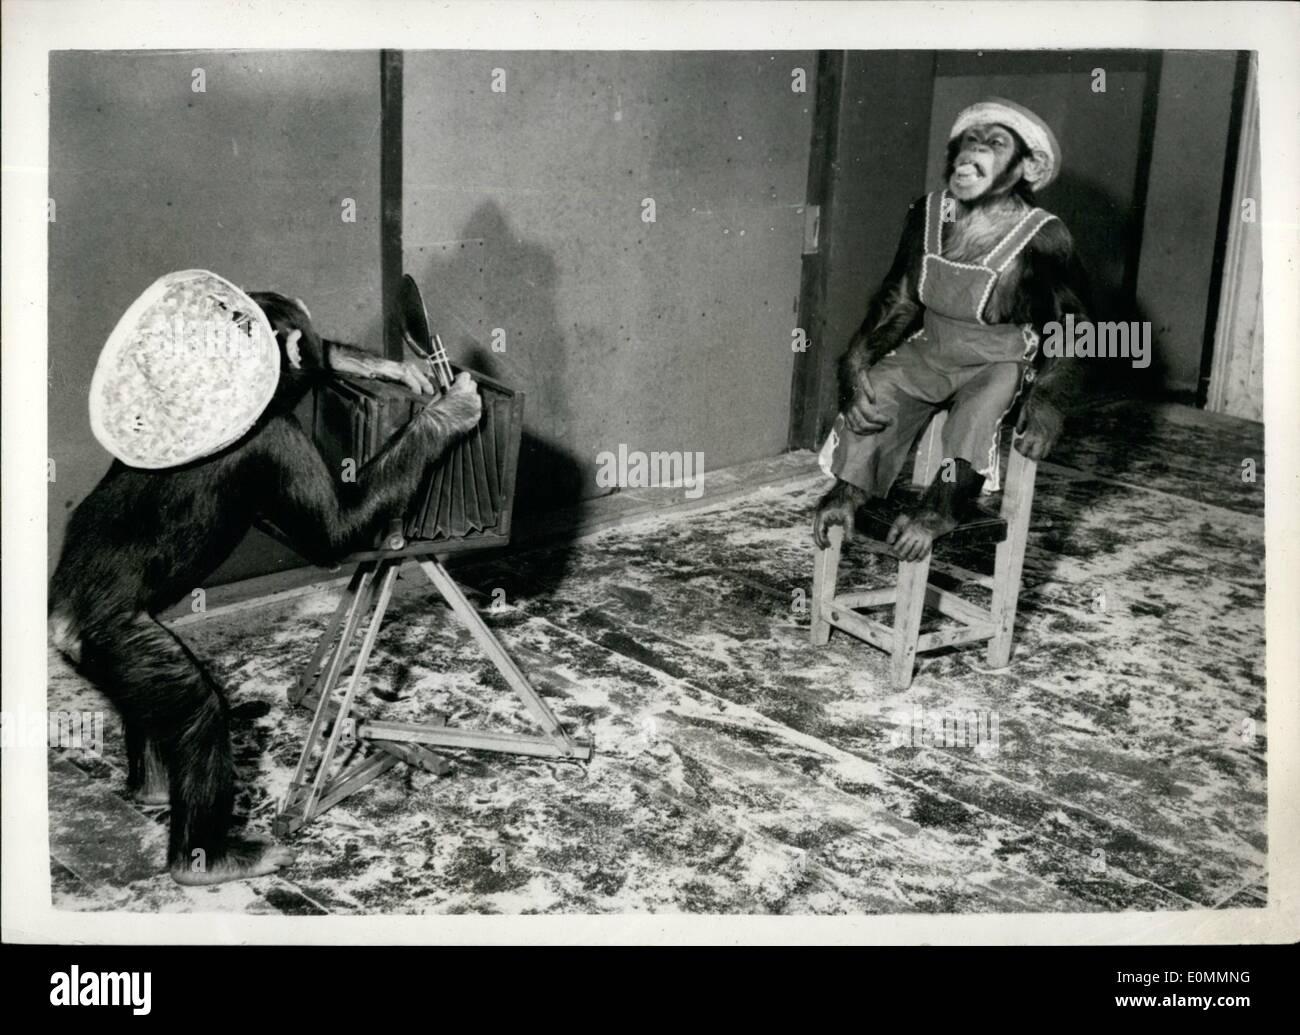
(978, 274)
(149, 534)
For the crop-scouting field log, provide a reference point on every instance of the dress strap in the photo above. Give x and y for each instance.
(934, 222)
(1021, 234)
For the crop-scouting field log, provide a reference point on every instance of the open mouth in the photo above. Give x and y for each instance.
(967, 172)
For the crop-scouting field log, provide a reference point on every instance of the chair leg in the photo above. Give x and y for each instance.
(826, 567)
(1017, 504)
(913, 577)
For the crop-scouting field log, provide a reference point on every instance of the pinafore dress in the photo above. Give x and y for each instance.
(956, 357)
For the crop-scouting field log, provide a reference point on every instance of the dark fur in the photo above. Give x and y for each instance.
(144, 539)
(1044, 283)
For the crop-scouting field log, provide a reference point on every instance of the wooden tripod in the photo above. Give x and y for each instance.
(323, 776)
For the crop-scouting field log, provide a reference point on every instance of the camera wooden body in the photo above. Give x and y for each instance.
(466, 498)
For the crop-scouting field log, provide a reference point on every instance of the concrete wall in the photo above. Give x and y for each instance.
(523, 212)
(245, 179)
(523, 208)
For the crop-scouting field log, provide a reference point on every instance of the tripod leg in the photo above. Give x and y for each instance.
(539, 709)
(329, 638)
(329, 678)
(387, 575)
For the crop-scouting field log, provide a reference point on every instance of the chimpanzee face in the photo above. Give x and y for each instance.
(300, 345)
(984, 161)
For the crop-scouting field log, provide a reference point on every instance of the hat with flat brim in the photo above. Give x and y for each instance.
(188, 369)
(1036, 134)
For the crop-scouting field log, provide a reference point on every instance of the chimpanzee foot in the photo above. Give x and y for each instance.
(152, 792)
(243, 860)
(912, 535)
(147, 782)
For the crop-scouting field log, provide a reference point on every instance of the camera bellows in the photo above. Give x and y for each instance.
(468, 493)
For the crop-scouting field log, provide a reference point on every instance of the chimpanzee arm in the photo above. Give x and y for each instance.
(348, 359)
(1053, 284)
(895, 308)
(324, 516)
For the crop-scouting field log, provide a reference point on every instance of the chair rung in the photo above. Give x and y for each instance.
(977, 626)
(942, 600)
(950, 604)
(864, 598)
(955, 636)
(863, 628)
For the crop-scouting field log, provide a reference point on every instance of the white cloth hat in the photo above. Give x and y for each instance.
(1033, 131)
(188, 369)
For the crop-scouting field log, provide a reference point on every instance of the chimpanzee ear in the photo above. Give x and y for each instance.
(1034, 166)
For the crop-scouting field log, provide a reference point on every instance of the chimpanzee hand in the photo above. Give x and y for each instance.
(412, 375)
(348, 359)
(862, 415)
(1038, 429)
(460, 407)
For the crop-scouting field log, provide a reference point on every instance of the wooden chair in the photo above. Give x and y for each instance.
(1008, 529)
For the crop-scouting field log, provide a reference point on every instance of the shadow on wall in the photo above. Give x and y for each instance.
(456, 284)
(1097, 219)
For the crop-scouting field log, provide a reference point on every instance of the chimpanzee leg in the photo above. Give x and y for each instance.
(168, 701)
(970, 442)
(867, 465)
(948, 499)
(146, 769)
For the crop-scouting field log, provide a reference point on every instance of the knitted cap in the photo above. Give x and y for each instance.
(188, 369)
(1033, 131)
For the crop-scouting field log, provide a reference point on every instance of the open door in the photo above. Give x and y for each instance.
(1236, 362)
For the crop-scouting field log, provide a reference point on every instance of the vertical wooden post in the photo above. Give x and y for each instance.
(826, 567)
(1017, 504)
(390, 195)
(867, 159)
(813, 367)
(913, 577)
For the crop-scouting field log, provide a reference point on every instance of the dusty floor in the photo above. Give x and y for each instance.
(741, 770)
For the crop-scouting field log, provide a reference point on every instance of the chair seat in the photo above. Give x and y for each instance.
(876, 517)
